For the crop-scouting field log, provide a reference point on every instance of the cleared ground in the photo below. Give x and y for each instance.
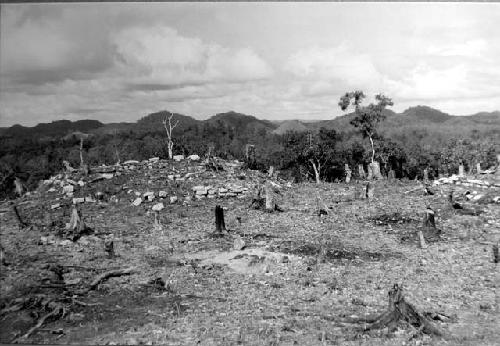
(295, 282)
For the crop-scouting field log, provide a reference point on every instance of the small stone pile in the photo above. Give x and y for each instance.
(229, 190)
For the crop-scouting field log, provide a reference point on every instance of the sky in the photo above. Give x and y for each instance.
(118, 62)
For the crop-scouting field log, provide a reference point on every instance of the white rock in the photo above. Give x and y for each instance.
(194, 157)
(154, 159)
(162, 194)
(137, 202)
(107, 175)
(78, 200)
(68, 189)
(89, 200)
(71, 181)
(51, 189)
(158, 207)
(81, 183)
(55, 206)
(178, 157)
(149, 196)
(170, 177)
(137, 193)
(173, 199)
(66, 243)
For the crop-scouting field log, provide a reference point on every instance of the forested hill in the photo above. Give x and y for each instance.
(419, 117)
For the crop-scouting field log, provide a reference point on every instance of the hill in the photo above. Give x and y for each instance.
(56, 128)
(290, 125)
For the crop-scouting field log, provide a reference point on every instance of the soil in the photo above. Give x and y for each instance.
(297, 277)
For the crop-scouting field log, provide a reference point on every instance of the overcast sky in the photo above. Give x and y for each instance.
(120, 61)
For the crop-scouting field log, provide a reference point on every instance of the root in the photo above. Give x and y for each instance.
(104, 276)
(58, 310)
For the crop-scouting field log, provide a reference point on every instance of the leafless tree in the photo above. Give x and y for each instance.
(169, 127)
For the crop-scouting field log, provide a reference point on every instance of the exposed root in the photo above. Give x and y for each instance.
(58, 310)
(104, 276)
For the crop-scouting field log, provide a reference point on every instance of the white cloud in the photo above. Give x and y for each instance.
(337, 63)
(161, 55)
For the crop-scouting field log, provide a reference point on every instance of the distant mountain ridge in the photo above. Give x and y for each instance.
(239, 123)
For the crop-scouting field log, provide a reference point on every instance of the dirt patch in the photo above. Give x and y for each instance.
(331, 252)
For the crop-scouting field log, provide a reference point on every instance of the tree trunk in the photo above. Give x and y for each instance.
(373, 148)
(170, 149)
(316, 171)
(220, 225)
(81, 152)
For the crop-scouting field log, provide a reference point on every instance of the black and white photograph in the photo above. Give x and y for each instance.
(250, 173)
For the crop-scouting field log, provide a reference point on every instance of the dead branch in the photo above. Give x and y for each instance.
(57, 310)
(104, 276)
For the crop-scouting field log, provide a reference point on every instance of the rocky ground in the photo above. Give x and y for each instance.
(281, 278)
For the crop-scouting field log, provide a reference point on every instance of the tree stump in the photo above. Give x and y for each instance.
(461, 170)
(109, 247)
(18, 187)
(21, 223)
(271, 171)
(269, 198)
(220, 225)
(369, 191)
(361, 172)
(400, 310)
(426, 175)
(348, 173)
(76, 225)
(374, 171)
(391, 175)
(478, 168)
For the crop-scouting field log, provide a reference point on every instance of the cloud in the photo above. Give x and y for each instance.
(160, 55)
(336, 63)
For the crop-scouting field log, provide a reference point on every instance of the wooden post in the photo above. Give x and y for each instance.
(220, 226)
(478, 168)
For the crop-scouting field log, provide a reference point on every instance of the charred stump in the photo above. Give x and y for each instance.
(220, 225)
(269, 198)
(496, 257)
(361, 172)
(369, 191)
(76, 226)
(22, 224)
(109, 247)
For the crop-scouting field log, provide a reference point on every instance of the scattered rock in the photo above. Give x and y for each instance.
(178, 157)
(137, 202)
(239, 243)
(162, 194)
(158, 207)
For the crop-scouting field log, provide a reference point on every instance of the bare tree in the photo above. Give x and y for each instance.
(169, 127)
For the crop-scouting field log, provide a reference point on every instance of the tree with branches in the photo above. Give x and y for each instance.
(366, 118)
(169, 127)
